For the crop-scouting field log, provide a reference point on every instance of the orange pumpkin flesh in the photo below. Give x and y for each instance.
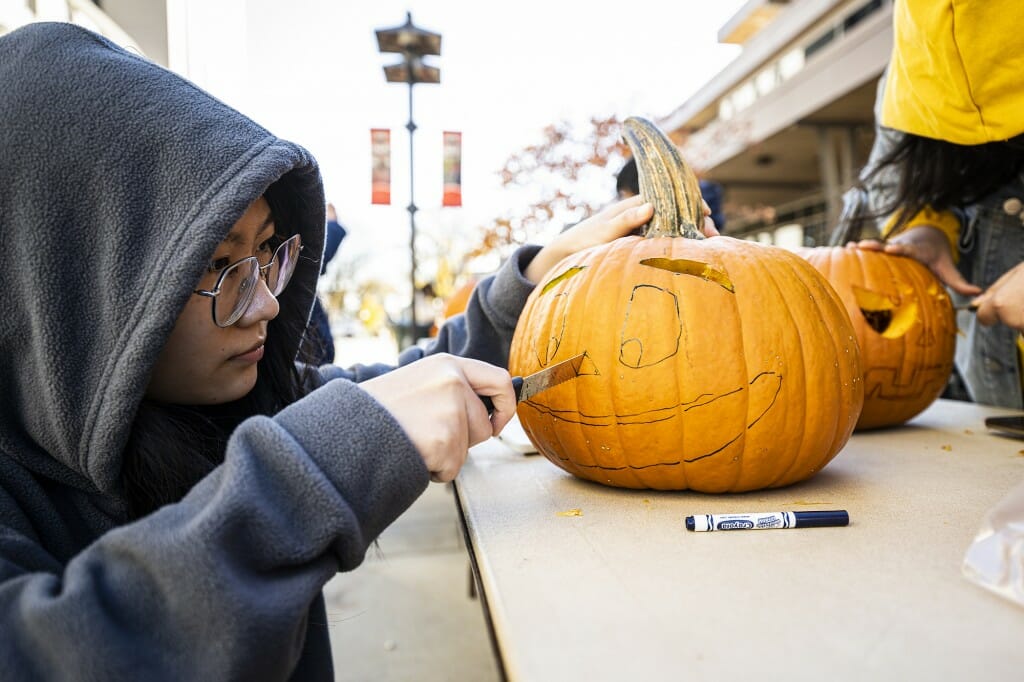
(905, 326)
(712, 364)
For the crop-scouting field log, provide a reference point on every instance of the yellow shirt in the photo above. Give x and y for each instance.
(956, 70)
(955, 74)
(947, 221)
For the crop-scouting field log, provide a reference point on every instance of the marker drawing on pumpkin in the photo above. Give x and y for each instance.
(763, 391)
(639, 349)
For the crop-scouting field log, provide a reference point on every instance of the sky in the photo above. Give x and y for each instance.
(310, 71)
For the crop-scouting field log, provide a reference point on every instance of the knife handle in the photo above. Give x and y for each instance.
(517, 386)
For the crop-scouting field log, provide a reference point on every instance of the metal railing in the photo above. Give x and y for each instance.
(810, 212)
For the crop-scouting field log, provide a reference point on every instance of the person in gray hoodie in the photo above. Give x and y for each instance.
(175, 489)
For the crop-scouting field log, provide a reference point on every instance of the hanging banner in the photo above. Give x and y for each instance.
(380, 179)
(452, 169)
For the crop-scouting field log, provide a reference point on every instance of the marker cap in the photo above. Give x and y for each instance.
(699, 522)
(821, 519)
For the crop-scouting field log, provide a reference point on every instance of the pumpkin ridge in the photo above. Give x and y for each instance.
(775, 396)
(833, 307)
(890, 269)
(583, 289)
(641, 467)
(794, 453)
(684, 372)
(618, 387)
(841, 432)
(614, 418)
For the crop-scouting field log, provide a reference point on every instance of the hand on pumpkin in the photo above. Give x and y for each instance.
(616, 220)
(435, 400)
(1004, 300)
(928, 246)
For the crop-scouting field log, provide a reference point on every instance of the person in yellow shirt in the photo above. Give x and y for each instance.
(945, 173)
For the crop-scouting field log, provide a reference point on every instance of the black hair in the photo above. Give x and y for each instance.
(628, 179)
(945, 175)
(172, 447)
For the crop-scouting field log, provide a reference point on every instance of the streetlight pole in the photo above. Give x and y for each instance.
(413, 43)
(411, 127)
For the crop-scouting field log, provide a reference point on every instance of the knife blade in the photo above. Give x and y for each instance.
(529, 386)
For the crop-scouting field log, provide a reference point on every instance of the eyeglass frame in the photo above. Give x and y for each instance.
(262, 273)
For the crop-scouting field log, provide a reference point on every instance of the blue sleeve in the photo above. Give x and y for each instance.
(332, 240)
(484, 331)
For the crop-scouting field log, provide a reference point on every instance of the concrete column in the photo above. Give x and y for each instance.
(831, 189)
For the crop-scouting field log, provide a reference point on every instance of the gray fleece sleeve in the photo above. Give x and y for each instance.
(236, 564)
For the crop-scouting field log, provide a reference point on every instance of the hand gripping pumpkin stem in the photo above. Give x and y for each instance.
(666, 181)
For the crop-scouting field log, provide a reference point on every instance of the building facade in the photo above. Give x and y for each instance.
(787, 125)
(140, 25)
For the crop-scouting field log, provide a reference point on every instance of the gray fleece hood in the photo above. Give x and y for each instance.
(118, 179)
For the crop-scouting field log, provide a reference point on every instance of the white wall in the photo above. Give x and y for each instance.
(145, 21)
(208, 44)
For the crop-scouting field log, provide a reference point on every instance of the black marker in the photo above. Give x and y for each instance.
(759, 520)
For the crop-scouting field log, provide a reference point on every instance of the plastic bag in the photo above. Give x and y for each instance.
(995, 560)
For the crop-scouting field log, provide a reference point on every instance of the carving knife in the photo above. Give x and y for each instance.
(529, 386)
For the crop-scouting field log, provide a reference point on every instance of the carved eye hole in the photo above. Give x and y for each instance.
(694, 268)
(561, 277)
(878, 320)
(890, 319)
(639, 346)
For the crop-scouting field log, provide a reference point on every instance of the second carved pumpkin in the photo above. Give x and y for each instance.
(712, 364)
(905, 326)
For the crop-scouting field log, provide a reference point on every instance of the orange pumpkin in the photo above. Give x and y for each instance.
(905, 326)
(459, 299)
(712, 364)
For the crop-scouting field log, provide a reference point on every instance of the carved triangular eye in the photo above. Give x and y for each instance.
(878, 320)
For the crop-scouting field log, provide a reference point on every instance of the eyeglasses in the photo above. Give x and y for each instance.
(236, 286)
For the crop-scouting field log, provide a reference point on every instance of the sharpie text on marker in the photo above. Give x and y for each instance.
(765, 520)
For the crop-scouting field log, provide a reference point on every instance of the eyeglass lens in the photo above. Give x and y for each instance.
(238, 282)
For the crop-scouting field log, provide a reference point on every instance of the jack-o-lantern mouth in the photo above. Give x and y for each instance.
(890, 319)
(759, 395)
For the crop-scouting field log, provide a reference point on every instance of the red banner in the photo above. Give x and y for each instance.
(452, 169)
(380, 179)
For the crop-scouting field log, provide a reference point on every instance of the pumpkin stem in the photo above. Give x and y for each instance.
(666, 181)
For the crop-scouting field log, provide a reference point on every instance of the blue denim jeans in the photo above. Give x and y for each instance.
(991, 244)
